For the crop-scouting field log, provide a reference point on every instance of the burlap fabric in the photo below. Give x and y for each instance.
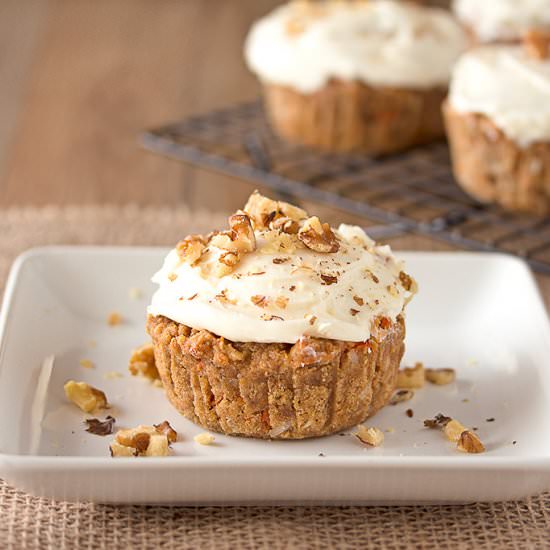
(28, 522)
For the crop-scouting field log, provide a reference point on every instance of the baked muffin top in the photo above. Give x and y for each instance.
(304, 44)
(510, 85)
(493, 20)
(278, 275)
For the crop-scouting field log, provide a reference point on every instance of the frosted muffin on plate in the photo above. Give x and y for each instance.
(355, 75)
(498, 124)
(280, 327)
(502, 20)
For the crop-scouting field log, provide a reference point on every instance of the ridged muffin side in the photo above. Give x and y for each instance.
(312, 388)
(352, 116)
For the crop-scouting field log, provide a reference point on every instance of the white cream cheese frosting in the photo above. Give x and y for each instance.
(502, 19)
(276, 297)
(506, 85)
(381, 42)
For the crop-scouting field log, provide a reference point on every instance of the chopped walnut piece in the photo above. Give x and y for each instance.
(276, 243)
(318, 236)
(359, 301)
(407, 282)
(452, 430)
(172, 277)
(440, 421)
(114, 319)
(266, 317)
(142, 363)
(285, 225)
(263, 211)
(191, 248)
(537, 43)
(227, 263)
(100, 427)
(373, 437)
(281, 302)
(409, 413)
(241, 225)
(204, 439)
(165, 428)
(469, 442)
(260, 301)
(84, 396)
(118, 451)
(353, 312)
(401, 396)
(328, 279)
(411, 377)
(440, 377)
(223, 298)
(311, 319)
(144, 441)
(280, 260)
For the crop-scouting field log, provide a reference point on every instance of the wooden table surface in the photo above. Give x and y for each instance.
(81, 78)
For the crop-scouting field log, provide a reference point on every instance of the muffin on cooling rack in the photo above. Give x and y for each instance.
(498, 124)
(502, 20)
(280, 327)
(355, 75)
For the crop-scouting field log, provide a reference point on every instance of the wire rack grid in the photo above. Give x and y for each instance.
(412, 192)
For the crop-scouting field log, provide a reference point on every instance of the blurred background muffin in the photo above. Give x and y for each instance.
(355, 76)
(498, 123)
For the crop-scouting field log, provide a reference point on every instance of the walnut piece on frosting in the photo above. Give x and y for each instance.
(264, 211)
(284, 227)
(191, 248)
(318, 236)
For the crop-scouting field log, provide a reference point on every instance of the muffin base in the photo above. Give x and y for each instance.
(352, 116)
(275, 391)
(494, 169)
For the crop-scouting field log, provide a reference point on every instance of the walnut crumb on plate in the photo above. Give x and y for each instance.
(114, 319)
(87, 364)
(84, 396)
(204, 438)
(373, 437)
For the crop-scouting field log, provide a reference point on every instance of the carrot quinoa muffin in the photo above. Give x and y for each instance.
(502, 20)
(366, 76)
(498, 124)
(280, 327)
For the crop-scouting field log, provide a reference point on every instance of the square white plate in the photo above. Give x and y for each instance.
(480, 314)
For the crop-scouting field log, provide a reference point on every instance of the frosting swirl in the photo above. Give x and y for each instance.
(305, 44)
(281, 289)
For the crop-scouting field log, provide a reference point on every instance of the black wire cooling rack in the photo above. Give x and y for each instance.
(414, 192)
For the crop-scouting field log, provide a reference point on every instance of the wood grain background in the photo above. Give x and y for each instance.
(81, 78)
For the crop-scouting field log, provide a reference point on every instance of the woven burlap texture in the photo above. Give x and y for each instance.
(29, 522)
